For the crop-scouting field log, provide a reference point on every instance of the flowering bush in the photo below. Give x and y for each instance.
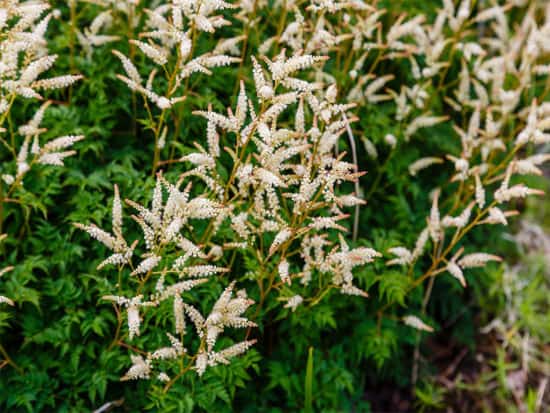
(256, 180)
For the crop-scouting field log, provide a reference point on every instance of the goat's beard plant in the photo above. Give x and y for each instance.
(24, 58)
(267, 176)
(278, 204)
(251, 225)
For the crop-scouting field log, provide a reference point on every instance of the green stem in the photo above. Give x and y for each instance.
(9, 360)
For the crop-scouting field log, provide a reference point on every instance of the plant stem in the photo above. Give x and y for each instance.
(8, 359)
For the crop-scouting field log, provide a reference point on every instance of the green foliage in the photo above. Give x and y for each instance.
(60, 333)
(429, 397)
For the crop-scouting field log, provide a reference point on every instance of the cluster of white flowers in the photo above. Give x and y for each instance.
(23, 59)
(98, 32)
(169, 35)
(31, 152)
(282, 188)
(90, 37)
(289, 163)
(280, 198)
(498, 51)
(225, 313)
(170, 267)
(23, 25)
(491, 155)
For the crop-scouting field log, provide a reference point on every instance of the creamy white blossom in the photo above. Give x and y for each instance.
(477, 260)
(293, 302)
(417, 323)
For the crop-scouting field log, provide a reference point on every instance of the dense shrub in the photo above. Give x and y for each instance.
(256, 206)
